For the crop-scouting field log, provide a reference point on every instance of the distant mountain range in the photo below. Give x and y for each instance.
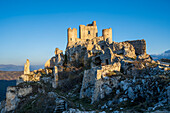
(11, 67)
(166, 55)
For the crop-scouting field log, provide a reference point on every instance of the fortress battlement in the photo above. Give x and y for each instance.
(88, 32)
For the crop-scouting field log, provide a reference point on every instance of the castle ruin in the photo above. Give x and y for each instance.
(88, 32)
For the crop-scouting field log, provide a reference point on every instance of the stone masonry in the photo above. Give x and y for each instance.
(27, 67)
(93, 81)
(88, 32)
(139, 45)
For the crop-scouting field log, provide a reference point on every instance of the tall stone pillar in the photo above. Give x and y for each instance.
(55, 74)
(27, 67)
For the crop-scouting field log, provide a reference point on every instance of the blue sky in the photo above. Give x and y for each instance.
(34, 28)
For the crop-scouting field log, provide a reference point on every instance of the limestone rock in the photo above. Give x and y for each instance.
(51, 63)
(58, 51)
(11, 99)
(123, 48)
(94, 82)
(55, 79)
(13, 94)
(144, 57)
(22, 92)
(57, 60)
(29, 77)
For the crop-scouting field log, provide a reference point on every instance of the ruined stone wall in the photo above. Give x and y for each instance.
(93, 82)
(27, 67)
(56, 60)
(123, 48)
(72, 36)
(139, 45)
(88, 32)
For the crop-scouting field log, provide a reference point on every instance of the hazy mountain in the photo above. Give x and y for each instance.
(166, 55)
(10, 75)
(11, 67)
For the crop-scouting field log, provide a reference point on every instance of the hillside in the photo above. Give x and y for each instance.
(10, 75)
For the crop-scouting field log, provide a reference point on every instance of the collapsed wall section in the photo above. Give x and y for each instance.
(139, 45)
(88, 32)
(94, 82)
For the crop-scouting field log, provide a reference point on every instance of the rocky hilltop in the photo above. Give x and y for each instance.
(95, 74)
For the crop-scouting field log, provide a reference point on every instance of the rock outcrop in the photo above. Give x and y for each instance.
(55, 79)
(30, 76)
(57, 60)
(13, 96)
(93, 85)
(123, 48)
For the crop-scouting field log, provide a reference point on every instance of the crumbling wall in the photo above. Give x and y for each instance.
(88, 32)
(123, 48)
(107, 34)
(93, 82)
(57, 60)
(72, 36)
(139, 45)
(27, 67)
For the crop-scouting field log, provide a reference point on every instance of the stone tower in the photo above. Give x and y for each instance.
(72, 36)
(27, 67)
(89, 31)
(107, 35)
(86, 33)
(55, 79)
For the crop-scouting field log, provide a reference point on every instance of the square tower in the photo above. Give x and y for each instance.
(89, 31)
